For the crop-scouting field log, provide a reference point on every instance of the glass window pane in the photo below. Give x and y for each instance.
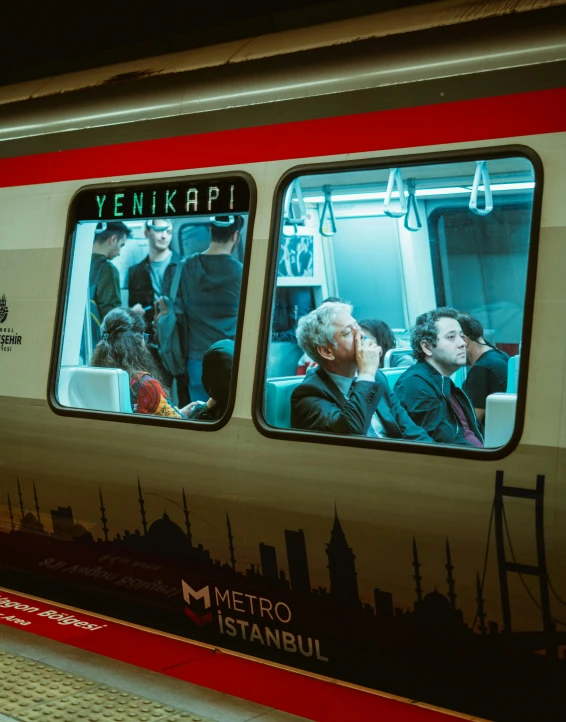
(153, 292)
(399, 303)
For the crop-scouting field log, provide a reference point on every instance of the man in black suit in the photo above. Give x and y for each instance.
(347, 394)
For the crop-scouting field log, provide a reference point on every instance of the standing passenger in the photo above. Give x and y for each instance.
(209, 296)
(145, 279)
(145, 286)
(426, 389)
(488, 374)
(104, 279)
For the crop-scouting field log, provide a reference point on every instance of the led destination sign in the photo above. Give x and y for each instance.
(218, 197)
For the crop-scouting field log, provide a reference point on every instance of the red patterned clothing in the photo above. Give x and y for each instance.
(148, 397)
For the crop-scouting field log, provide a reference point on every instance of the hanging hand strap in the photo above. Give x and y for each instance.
(482, 174)
(412, 207)
(294, 189)
(327, 214)
(395, 179)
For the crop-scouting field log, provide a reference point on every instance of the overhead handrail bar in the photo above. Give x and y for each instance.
(412, 207)
(327, 214)
(482, 175)
(289, 215)
(395, 180)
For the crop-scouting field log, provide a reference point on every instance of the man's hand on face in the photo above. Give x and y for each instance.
(368, 354)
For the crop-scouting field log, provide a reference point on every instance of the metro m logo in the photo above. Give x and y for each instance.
(204, 594)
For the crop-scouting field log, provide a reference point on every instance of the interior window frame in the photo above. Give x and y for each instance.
(56, 348)
(386, 162)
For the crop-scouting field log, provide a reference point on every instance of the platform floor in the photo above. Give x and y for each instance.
(46, 681)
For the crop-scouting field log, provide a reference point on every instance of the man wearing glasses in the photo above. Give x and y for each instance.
(145, 279)
(145, 285)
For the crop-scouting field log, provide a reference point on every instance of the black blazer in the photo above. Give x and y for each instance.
(317, 404)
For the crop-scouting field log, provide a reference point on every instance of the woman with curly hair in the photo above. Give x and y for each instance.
(123, 346)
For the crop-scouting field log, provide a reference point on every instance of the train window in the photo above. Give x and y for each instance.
(401, 304)
(153, 284)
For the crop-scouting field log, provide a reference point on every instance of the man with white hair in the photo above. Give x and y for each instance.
(347, 394)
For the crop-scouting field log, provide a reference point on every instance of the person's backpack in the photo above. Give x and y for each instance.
(167, 329)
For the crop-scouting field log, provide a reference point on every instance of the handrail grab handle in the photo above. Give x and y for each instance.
(481, 174)
(412, 206)
(327, 209)
(395, 179)
(294, 187)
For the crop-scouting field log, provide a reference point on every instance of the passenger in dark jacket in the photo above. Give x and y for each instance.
(104, 279)
(347, 394)
(209, 297)
(146, 283)
(216, 379)
(426, 389)
(145, 279)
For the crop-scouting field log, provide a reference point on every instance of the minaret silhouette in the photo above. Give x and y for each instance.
(450, 579)
(142, 508)
(480, 600)
(37, 506)
(187, 522)
(22, 513)
(10, 512)
(103, 518)
(230, 543)
(342, 566)
(416, 576)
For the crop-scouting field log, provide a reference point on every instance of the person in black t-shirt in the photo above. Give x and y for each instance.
(488, 374)
(209, 296)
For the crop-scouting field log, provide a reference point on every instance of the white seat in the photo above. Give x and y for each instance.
(458, 377)
(393, 353)
(513, 374)
(500, 412)
(98, 389)
(278, 400)
(392, 375)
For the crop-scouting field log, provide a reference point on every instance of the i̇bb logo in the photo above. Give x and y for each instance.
(3, 309)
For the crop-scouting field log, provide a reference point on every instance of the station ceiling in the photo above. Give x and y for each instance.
(51, 39)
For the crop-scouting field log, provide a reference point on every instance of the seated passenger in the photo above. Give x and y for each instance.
(123, 346)
(426, 389)
(216, 376)
(381, 334)
(488, 374)
(346, 394)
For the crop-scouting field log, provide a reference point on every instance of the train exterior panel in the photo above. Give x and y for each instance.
(426, 575)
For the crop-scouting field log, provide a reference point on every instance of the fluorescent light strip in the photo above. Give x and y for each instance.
(459, 190)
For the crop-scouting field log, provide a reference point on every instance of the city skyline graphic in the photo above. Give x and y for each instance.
(148, 562)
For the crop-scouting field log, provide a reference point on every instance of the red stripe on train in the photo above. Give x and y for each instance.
(469, 120)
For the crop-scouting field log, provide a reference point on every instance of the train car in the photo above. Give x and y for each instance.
(395, 164)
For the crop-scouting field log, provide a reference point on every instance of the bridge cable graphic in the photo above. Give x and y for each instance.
(539, 570)
(481, 586)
